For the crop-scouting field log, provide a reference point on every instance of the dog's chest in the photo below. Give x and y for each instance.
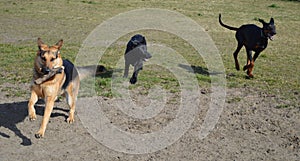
(260, 45)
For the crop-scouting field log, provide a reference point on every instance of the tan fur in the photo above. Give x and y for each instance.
(50, 89)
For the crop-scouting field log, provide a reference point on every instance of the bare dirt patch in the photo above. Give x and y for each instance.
(250, 128)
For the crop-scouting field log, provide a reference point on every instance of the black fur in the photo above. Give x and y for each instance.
(70, 72)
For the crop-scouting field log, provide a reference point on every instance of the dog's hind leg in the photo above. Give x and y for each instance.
(71, 96)
(235, 55)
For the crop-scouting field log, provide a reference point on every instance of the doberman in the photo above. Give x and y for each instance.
(254, 39)
(136, 53)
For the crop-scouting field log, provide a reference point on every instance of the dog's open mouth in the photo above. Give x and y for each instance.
(271, 37)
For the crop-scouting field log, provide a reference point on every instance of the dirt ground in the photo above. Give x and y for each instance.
(250, 128)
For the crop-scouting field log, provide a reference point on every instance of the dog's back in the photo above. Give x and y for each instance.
(135, 41)
(251, 35)
(70, 71)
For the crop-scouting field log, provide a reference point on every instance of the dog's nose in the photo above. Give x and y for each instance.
(46, 70)
(148, 55)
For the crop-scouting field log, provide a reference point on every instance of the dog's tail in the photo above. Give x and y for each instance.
(226, 26)
(92, 70)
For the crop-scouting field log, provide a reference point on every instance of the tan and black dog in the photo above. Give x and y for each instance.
(64, 81)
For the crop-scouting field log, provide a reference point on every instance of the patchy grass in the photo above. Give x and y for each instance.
(89, 2)
(274, 6)
(16, 63)
(275, 70)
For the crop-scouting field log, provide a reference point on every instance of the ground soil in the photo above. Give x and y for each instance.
(251, 127)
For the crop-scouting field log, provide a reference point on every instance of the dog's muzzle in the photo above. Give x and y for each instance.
(45, 70)
(271, 35)
(147, 55)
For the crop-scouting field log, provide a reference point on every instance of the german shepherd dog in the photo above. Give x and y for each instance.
(136, 53)
(65, 81)
(254, 39)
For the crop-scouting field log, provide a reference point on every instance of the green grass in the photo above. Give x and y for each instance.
(89, 2)
(274, 6)
(276, 70)
(16, 63)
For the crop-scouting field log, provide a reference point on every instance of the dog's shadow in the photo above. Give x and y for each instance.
(200, 70)
(13, 113)
(195, 69)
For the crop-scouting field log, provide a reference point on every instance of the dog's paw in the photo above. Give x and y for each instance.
(32, 117)
(249, 75)
(237, 67)
(133, 80)
(39, 135)
(70, 120)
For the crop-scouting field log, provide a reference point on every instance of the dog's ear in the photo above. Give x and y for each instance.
(135, 42)
(40, 43)
(262, 21)
(59, 44)
(144, 41)
(272, 21)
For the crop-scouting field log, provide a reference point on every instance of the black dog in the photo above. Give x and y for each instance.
(135, 54)
(254, 39)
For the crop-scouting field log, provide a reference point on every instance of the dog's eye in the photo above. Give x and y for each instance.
(52, 59)
(43, 58)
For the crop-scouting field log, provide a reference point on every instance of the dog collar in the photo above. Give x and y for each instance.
(262, 34)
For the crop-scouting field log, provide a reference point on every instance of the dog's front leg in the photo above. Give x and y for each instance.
(48, 110)
(255, 56)
(250, 63)
(137, 68)
(250, 69)
(249, 59)
(126, 70)
(133, 79)
(33, 99)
